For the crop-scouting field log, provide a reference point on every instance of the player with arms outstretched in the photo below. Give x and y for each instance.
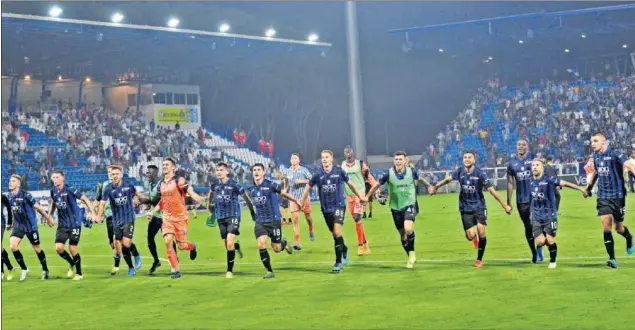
(330, 182)
(266, 214)
(69, 225)
(120, 196)
(175, 225)
(544, 207)
(608, 165)
(472, 202)
(23, 207)
(359, 173)
(224, 197)
(519, 176)
(400, 180)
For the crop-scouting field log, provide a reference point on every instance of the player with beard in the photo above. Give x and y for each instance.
(608, 173)
(519, 177)
(472, 202)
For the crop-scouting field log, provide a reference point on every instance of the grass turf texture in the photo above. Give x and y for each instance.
(377, 291)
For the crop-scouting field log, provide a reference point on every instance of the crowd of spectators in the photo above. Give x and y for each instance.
(557, 118)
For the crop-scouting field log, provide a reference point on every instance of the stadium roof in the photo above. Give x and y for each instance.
(45, 46)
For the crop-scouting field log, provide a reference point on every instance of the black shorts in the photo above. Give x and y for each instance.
(33, 236)
(331, 218)
(284, 203)
(229, 226)
(110, 230)
(545, 227)
(471, 219)
(271, 229)
(400, 216)
(125, 230)
(71, 235)
(524, 210)
(371, 197)
(614, 206)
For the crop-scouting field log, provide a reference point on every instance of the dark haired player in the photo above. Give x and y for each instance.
(119, 195)
(400, 180)
(224, 197)
(544, 207)
(472, 202)
(266, 213)
(7, 221)
(330, 182)
(608, 165)
(23, 207)
(551, 171)
(69, 221)
(519, 175)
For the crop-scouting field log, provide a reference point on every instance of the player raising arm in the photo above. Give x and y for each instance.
(403, 201)
(266, 214)
(330, 182)
(472, 202)
(608, 165)
(544, 207)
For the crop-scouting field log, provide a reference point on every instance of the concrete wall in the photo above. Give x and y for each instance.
(30, 92)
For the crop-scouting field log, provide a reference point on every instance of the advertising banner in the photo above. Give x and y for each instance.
(173, 115)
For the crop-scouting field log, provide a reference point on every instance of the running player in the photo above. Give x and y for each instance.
(403, 200)
(106, 212)
(7, 221)
(519, 175)
(330, 182)
(23, 207)
(544, 207)
(298, 177)
(173, 190)
(357, 171)
(266, 213)
(69, 225)
(119, 195)
(224, 197)
(611, 203)
(154, 224)
(551, 171)
(472, 202)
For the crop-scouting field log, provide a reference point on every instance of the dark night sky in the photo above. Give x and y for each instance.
(412, 95)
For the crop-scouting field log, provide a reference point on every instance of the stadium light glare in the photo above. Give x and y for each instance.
(55, 11)
(224, 28)
(440, 50)
(270, 33)
(490, 58)
(87, 79)
(59, 77)
(313, 37)
(117, 17)
(27, 77)
(173, 22)
(583, 36)
(566, 50)
(624, 46)
(520, 42)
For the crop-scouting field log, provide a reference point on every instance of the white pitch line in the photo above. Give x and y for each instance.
(354, 262)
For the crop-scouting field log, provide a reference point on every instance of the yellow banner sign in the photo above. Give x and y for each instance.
(172, 115)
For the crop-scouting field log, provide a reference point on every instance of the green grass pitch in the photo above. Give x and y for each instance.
(444, 291)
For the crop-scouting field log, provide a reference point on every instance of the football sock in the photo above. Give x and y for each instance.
(133, 250)
(117, 260)
(339, 248)
(231, 256)
(19, 259)
(127, 256)
(64, 255)
(411, 241)
(482, 242)
(553, 252)
(609, 244)
(174, 262)
(628, 236)
(78, 264)
(283, 246)
(359, 228)
(6, 261)
(266, 261)
(42, 257)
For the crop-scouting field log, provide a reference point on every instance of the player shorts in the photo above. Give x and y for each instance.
(33, 236)
(71, 235)
(354, 205)
(371, 197)
(400, 216)
(110, 230)
(524, 210)
(176, 228)
(229, 225)
(124, 230)
(331, 218)
(306, 208)
(471, 219)
(271, 229)
(544, 227)
(613, 206)
(284, 203)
